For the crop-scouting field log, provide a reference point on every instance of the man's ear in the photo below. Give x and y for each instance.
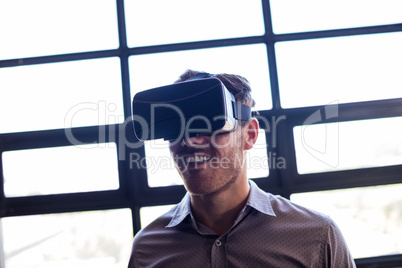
(250, 133)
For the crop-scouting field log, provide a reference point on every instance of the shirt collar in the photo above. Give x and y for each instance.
(181, 211)
(260, 200)
(257, 199)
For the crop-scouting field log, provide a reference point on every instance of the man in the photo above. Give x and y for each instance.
(225, 220)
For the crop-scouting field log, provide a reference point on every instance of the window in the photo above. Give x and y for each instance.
(314, 15)
(348, 145)
(58, 170)
(367, 216)
(156, 22)
(343, 69)
(43, 27)
(60, 95)
(80, 239)
(149, 214)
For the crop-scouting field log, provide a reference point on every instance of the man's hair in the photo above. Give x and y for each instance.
(236, 84)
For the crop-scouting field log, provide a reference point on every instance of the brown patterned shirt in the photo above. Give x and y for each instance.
(270, 231)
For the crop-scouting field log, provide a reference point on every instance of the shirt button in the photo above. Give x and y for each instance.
(218, 243)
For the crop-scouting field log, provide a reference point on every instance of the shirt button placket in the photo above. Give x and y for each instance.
(218, 254)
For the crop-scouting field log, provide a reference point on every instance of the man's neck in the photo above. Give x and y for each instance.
(219, 211)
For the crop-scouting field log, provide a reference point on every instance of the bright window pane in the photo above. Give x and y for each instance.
(58, 170)
(258, 163)
(344, 69)
(370, 218)
(80, 239)
(60, 95)
(149, 214)
(153, 70)
(161, 22)
(348, 145)
(314, 15)
(45, 27)
(161, 169)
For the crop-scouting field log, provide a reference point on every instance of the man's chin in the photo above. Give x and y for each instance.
(195, 191)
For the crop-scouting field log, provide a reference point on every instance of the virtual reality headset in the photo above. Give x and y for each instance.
(201, 105)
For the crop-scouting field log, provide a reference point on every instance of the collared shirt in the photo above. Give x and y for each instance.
(270, 231)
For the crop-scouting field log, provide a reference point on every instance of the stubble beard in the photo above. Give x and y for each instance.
(218, 180)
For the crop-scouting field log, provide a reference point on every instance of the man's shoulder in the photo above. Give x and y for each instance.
(155, 240)
(285, 209)
(156, 227)
(301, 233)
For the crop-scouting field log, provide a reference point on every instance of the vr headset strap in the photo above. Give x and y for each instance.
(241, 112)
(199, 76)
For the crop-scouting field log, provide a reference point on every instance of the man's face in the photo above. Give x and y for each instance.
(209, 164)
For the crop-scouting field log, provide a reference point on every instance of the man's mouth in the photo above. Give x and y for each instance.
(193, 161)
(196, 159)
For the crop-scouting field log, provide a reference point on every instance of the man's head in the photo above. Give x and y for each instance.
(211, 163)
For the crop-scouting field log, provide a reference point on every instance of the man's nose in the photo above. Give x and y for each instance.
(197, 141)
